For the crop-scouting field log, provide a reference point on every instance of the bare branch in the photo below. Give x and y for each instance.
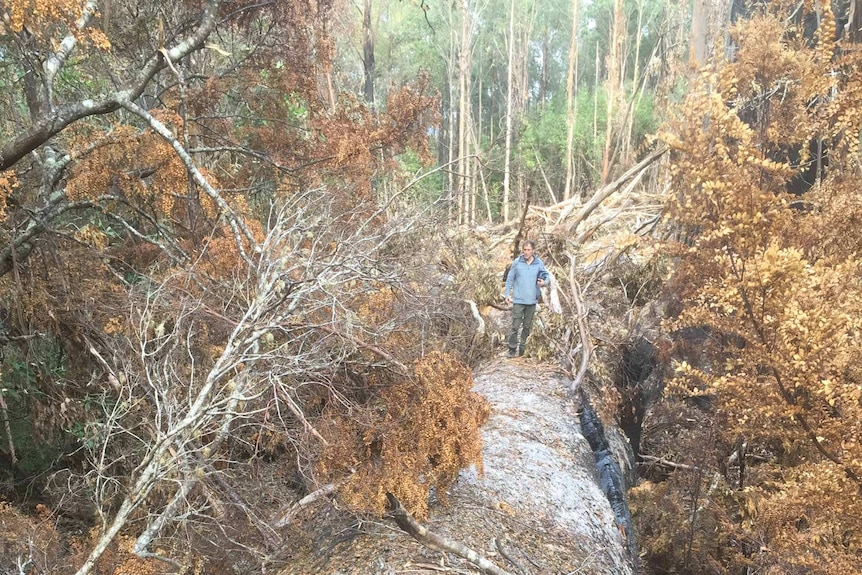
(630, 177)
(60, 117)
(586, 343)
(53, 64)
(283, 517)
(412, 527)
(236, 223)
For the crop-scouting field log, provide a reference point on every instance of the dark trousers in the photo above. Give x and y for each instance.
(522, 323)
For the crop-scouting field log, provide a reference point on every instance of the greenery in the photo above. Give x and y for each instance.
(240, 261)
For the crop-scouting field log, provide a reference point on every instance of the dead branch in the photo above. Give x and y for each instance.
(240, 231)
(283, 516)
(480, 323)
(498, 543)
(372, 348)
(296, 410)
(667, 463)
(412, 527)
(631, 177)
(586, 343)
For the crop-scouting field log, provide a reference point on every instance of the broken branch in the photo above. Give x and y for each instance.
(412, 527)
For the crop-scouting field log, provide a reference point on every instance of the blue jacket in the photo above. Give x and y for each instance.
(521, 280)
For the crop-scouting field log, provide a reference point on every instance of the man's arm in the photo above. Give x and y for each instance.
(510, 281)
(543, 272)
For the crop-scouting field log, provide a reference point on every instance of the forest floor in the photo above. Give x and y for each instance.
(536, 509)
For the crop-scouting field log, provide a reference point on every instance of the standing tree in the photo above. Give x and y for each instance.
(769, 268)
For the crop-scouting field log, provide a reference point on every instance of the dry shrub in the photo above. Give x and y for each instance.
(24, 539)
(415, 435)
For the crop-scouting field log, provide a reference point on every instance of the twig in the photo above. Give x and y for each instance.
(284, 516)
(372, 348)
(498, 543)
(666, 463)
(410, 526)
(297, 411)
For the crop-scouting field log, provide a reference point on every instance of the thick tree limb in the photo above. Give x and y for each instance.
(60, 117)
(412, 527)
(53, 64)
(630, 177)
(284, 516)
(237, 226)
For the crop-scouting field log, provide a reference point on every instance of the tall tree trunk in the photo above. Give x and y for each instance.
(522, 99)
(853, 28)
(627, 143)
(368, 53)
(543, 79)
(464, 115)
(571, 102)
(697, 44)
(510, 87)
(613, 83)
(596, 97)
(452, 181)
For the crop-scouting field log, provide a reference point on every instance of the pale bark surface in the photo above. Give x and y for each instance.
(571, 102)
(538, 493)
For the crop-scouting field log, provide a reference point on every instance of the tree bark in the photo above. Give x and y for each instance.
(613, 83)
(368, 53)
(412, 527)
(464, 115)
(571, 103)
(510, 85)
(853, 28)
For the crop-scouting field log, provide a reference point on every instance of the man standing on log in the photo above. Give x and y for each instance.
(526, 275)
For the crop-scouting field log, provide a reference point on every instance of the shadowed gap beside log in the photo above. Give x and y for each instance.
(610, 474)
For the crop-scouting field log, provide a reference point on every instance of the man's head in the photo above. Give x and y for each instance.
(527, 248)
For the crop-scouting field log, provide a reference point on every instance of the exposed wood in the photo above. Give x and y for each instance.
(412, 527)
(284, 516)
(571, 103)
(586, 342)
(566, 207)
(510, 81)
(697, 45)
(480, 323)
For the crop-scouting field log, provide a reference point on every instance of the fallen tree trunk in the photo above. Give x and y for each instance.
(565, 208)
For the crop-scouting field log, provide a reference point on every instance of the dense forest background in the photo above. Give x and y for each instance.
(239, 266)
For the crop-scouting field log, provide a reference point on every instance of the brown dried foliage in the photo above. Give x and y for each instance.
(415, 435)
(775, 279)
(86, 272)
